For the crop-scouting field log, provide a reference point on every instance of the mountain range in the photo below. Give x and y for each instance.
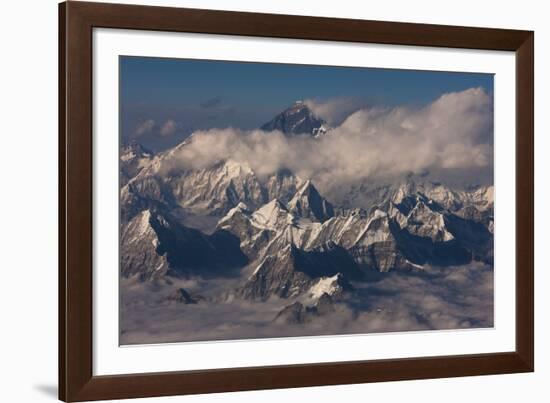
(280, 236)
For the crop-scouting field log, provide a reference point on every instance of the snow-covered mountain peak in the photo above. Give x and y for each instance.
(326, 285)
(272, 215)
(273, 205)
(133, 159)
(234, 169)
(134, 150)
(376, 229)
(425, 222)
(483, 197)
(403, 190)
(297, 119)
(297, 107)
(240, 208)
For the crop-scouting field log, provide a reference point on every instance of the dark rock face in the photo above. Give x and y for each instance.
(327, 261)
(474, 237)
(484, 217)
(189, 251)
(298, 119)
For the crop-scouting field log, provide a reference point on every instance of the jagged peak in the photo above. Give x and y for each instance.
(432, 222)
(240, 208)
(273, 204)
(139, 228)
(134, 151)
(272, 214)
(486, 191)
(403, 190)
(297, 106)
(325, 285)
(296, 119)
(308, 203)
(377, 219)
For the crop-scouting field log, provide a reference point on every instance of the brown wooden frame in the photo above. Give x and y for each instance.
(76, 22)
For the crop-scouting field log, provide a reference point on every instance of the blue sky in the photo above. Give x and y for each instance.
(195, 94)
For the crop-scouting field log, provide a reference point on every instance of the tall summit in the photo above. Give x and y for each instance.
(298, 119)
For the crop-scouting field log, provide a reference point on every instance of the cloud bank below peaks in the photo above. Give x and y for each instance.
(454, 132)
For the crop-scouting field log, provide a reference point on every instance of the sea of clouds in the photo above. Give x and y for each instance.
(456, 297)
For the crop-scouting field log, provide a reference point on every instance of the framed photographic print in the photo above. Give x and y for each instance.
(252, 201)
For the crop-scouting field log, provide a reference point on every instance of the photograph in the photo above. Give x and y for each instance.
(265, 200)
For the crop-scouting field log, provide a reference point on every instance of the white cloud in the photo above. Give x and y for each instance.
(334, 110)
(145, 127)
(168, 128)
(454, 132)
